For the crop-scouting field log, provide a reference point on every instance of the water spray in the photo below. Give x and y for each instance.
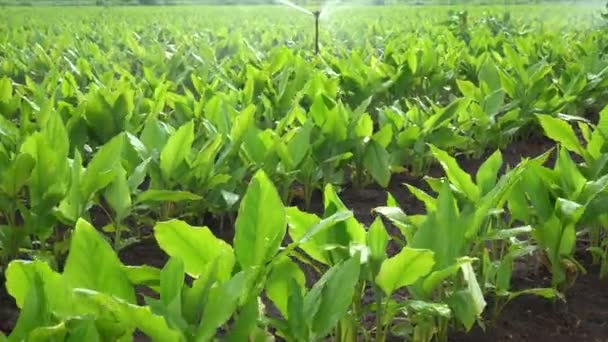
(315, 14)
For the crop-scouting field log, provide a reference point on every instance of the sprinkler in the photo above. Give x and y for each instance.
(316, 14)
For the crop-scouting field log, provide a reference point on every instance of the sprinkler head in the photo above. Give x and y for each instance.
(317, 14)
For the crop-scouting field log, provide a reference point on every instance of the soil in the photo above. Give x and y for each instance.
(583, 316)
(527, 318)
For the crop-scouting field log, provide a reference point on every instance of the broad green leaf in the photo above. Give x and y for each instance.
(283, 273)
(144, 275)
(443, 231)
(118, 194)
(299, 145)
(547, 293)
(34, 312)
(571, 179)
(56, 332)
(21, 275)
(73, 204)
(377, 239)
(197, 247)
(171, 284)
(50, 175)
(488, 172)
(473, 286)
(140, 317)
(245, 324)
(84, 331)
(433, 280)
(259, 228)
(222, 303)
(6, 89)
(329, 299)
(103, 122)
(443, 115)
(461, 303)
(562, 132)
(104, 272)
(101, 170)
(404, 269)
(602, 125)
(299, 223)
(376, 162)
(325, 224)
(176, 150)
(428, 200)
(138, 176)
(298, 323)
(457, 176)
(154, 195)
(488, 76)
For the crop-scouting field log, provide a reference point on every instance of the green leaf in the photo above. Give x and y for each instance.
(283, 273)
(376, 162)
(50, 176)
(443, 115)
(139, 175)
(488, 172)
(443, 231)
(473, 287)
(93, 264)
(377, 239)
(101, 170)
(33, 313)
(222, 303)
(461, 303)
(299, 223)
(154, 195)
(84, 330)
(299, 145)
(49, 333)
(457, 176)
(505, 234)
(6, 89)
(562, 132)
(404, 269)
(118, 194)
(431, 282)
(176, 150)
(298, 323)
(144, 275)
(602, 125)
(197, 247)
(103, 121)
(259, 228)
(324, 224)
(73, 204)
(140, 317)
(571, 179)
(245, 324)
(428, 200)
(171, 284)
(329, 299)
(488, 76)
(547, 293)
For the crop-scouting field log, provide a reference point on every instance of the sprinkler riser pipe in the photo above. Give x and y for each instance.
(317, 14)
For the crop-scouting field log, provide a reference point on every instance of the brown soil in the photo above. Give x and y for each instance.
(582, 317)
(528, 318)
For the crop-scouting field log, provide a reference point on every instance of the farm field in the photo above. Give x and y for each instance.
(198, 173)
